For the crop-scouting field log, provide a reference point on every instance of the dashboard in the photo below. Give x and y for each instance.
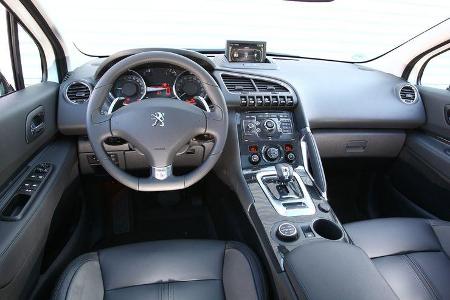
(156, 81)
(351, 109)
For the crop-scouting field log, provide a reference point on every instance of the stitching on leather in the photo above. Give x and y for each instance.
(253, 263)
(425, 276)
(303, 287)
(66, 272)
(406, 253)
(251, 271)
(225, 246)
(72, 268)
(160, 283)
(408, 261)
(433, 226)
(101, 271)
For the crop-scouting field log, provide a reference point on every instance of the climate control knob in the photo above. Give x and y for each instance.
(272, 153)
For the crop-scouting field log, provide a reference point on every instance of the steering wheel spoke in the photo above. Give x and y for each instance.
(214, 121)
(101, 130)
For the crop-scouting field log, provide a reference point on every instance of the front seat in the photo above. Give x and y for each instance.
(413, 255)
(176, 269)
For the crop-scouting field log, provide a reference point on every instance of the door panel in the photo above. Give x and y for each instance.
(23, 239)
(15, 150)
(437, 102)
(420, 178)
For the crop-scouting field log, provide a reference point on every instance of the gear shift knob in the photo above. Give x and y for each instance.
(284, 172)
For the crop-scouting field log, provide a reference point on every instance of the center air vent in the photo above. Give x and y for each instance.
(238, 84)
(408, 94)
(268, 86)
(78, 92)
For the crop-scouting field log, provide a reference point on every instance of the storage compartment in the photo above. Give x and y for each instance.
(15, 207)
(359, 143)
(327, 229)
(334, 270)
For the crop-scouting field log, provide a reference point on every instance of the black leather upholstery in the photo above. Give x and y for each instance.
(325, 269)
(413, 255)
(182, 269)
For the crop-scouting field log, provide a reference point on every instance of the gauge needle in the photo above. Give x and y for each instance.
(155, 89)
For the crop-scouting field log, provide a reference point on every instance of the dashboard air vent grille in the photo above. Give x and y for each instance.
(78, 92)
(268, 86)
(238, 84)
(408, 94)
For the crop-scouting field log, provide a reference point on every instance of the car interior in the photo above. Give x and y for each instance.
(157, 171)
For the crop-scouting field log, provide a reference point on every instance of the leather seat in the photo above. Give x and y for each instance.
(177, 269)
(413, 255)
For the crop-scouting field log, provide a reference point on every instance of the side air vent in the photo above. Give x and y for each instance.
(78, 92)
(408, 94)
(238, 84)
(268, 86)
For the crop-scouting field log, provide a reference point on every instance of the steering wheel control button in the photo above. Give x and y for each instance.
(287, 232)
(324, 207)
(254, 159)
(272, 153)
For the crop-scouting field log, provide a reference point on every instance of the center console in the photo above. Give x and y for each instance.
(288, 209)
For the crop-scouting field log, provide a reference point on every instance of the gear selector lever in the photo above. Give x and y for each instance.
(284, 172)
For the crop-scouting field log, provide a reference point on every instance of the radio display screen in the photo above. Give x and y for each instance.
(246, 52)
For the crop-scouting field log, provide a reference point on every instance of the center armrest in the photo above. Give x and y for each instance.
(334, 270)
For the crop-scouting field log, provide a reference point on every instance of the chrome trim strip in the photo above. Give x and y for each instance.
(310, 208)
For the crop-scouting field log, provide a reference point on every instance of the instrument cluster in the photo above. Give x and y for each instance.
(156, 81)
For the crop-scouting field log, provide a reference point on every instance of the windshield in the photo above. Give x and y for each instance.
(347, 30)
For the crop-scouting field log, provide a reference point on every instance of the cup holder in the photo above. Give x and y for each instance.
(327, 229)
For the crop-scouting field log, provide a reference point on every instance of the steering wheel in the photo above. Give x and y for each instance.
(158, 127)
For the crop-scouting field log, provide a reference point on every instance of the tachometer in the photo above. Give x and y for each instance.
(187, 86)
(129, 86)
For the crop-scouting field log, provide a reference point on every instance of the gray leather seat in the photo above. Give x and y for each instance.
(413, 255)
(177, 269)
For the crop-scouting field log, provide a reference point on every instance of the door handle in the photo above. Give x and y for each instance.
(35, 124)
(36, 128)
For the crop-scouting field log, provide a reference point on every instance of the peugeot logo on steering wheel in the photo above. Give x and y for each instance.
(158, 119)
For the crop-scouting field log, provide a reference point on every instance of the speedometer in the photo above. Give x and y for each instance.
(130, 87)
(187, 86)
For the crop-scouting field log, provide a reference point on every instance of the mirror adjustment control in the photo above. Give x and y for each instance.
(254, 159)
(287, 232)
